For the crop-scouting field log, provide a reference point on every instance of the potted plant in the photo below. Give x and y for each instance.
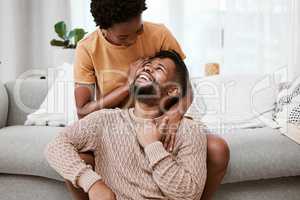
(67, 42)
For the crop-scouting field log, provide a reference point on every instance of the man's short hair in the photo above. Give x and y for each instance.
(106, 13)
(181, 71)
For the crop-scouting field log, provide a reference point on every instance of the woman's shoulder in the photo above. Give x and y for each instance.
(90, 40)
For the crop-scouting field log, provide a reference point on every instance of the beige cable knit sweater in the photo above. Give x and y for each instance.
(129, 170)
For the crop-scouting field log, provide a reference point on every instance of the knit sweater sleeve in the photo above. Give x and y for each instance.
(181, 177)
(63, 152)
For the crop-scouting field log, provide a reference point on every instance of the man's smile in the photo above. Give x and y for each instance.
(145, 76)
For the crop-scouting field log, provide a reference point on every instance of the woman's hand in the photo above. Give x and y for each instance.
(100, 191)
(133, 69)
(171, 130)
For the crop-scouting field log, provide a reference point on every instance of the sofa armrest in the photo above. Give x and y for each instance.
(24, 97)
(3, 105)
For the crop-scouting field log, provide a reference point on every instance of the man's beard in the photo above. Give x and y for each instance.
(146, 93)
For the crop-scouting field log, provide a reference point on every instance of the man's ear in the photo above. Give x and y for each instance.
(173, 91)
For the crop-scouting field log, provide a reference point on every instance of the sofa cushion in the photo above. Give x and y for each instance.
(22, 150)
(261, 153)
(240, 100)
(3, 105)
(255, 153)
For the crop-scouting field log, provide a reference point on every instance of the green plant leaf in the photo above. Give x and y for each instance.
(71, 35)
(71, 46)
(61, 29)
(60, 43)
(79, 33)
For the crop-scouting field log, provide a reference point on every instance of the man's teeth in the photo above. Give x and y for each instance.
(145, 77)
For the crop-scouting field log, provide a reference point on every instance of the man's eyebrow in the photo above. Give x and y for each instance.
(162, 65)
(147, 61)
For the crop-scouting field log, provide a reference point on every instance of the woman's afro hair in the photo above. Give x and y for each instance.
(106, 13)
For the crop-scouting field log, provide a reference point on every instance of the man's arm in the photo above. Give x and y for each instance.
(184, 176)
(63, 152)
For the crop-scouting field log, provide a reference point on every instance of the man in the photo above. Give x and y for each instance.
(130, 159)
(103, 63)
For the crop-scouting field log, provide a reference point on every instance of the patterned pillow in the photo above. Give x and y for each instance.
(294, 116)
(288, 105)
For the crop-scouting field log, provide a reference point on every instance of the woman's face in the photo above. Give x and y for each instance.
(125, 34)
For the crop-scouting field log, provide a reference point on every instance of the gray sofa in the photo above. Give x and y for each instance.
(264, 164)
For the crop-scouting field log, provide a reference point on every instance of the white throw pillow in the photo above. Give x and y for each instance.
(235, 101)
(58, 108)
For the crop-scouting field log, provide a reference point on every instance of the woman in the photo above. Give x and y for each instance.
(103, 69)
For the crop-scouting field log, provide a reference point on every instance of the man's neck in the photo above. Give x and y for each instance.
(146, 111)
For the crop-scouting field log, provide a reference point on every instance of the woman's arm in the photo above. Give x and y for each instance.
(85, 94)
(175, 115)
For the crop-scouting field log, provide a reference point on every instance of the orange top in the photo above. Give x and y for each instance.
(98, 61)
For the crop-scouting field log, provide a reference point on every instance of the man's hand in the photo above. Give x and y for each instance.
(100, 191)
(150, 132)
(133, 69)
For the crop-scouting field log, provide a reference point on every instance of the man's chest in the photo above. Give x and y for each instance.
(120, 160)
(119, 145)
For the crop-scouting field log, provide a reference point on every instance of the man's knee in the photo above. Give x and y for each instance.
(218, 153)
(88, 158)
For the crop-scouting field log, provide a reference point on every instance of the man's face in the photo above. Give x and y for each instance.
(154, 76)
